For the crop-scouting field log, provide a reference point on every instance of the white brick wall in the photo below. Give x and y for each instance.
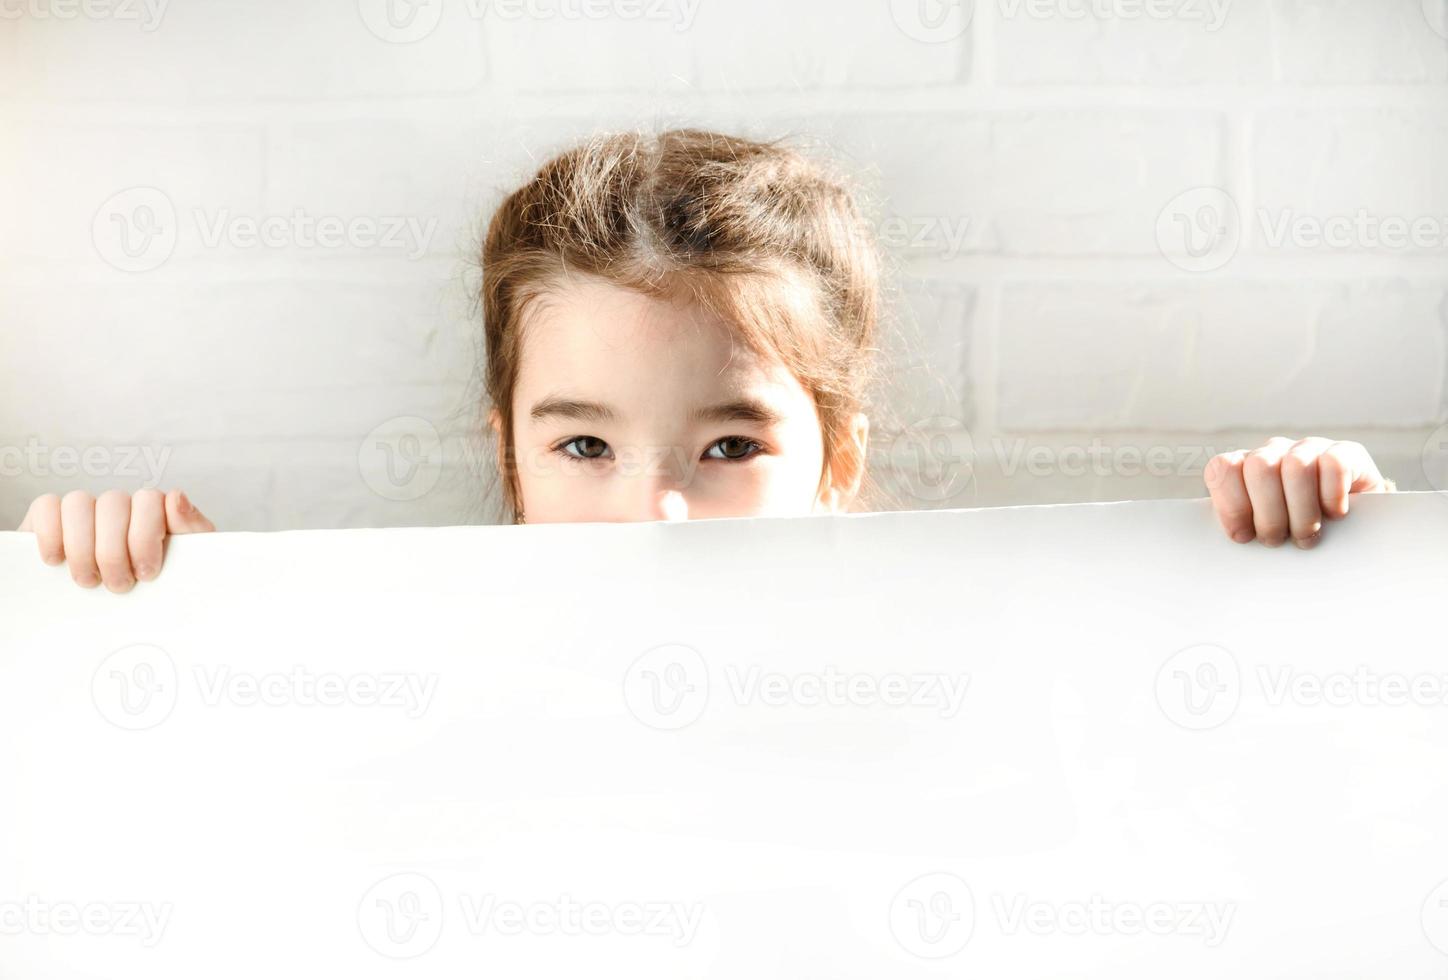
(1124, 234)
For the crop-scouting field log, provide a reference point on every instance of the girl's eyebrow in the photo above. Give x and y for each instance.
(745, 409)
(555, 406)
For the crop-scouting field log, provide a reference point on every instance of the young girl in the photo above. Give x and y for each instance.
(678, 327)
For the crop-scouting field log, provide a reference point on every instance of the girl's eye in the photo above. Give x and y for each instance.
(734, 448)
(588, 447)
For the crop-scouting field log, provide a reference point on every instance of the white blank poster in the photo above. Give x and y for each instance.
(1096, 740)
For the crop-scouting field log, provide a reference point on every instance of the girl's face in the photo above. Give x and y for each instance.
(632, 408)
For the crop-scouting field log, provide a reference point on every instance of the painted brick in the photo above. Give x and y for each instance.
(209, 52)
(1086, 357)
(1182, 42)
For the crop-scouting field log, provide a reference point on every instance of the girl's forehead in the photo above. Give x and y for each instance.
(593, 326)
(643, 357)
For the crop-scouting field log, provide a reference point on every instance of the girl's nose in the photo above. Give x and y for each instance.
(672, 506)
(655, 491)
(657, 504)
(658, 493)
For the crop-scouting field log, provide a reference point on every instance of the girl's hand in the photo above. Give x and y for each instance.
(117, 539)
(1288, 487)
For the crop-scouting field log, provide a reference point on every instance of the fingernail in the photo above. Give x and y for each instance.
(183, 504)
(1308, 542)
(1272, 542)
(1242, 537)
(145, 573)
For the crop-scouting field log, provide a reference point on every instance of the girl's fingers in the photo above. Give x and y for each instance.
(43, 520)
(118, 539)
(147, 533)
(1334, 482)
(1223, 477)
(1301, 490)
(78, 536)
(112, 526)
(1344, 468)
(182, 517)
(1261, 471)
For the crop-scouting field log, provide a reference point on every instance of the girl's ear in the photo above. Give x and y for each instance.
(495, 422)
(847, 471)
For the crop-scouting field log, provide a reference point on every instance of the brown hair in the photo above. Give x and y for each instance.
(753, 231)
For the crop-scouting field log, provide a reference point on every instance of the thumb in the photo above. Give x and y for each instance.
(182, 517)
(1364, 473)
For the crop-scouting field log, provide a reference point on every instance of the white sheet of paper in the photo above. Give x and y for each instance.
(1094, 740)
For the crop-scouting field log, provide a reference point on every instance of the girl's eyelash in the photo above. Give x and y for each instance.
(756, 447)
(562, 449)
